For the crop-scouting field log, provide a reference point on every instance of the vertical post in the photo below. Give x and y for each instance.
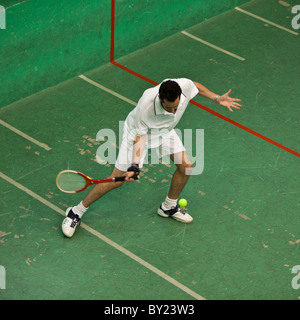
(112, 32)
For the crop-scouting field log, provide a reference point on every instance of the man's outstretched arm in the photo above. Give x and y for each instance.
(224, 100)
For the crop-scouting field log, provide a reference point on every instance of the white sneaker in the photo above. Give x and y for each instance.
(176, 213)
(70, 223)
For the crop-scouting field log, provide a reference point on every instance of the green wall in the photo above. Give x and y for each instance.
(49, 41)
(142, 22)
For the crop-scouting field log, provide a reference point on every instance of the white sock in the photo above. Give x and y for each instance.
(80, 209)
(169, 203)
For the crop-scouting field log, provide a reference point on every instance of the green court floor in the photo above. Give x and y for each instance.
(244, 240)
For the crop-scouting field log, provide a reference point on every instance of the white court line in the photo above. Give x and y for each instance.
(213, 46)
(107, 90)
(45, 146)
(107, 240)
(265, 20)
(24, 135)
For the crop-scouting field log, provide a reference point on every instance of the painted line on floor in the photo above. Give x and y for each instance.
(199, 106)
(266, 21)
(213, 46)
(105, 239)
(25, 136)
(107, 90)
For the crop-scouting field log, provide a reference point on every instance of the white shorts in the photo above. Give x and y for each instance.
(170, 144)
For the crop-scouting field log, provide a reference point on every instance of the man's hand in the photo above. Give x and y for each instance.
(129, 176)
(228, 102)
(132, 172)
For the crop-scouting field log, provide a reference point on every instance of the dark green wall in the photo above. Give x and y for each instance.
(49, 41)
(142, 22)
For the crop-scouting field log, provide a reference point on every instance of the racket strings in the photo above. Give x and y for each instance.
(70, 181)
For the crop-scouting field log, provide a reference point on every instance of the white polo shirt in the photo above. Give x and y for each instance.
(150, 118)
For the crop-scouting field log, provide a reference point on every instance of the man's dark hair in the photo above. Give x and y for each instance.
(169, 90)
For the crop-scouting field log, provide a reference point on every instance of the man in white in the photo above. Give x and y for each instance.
(151, 125)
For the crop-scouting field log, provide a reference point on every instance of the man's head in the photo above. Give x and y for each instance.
(169, 95)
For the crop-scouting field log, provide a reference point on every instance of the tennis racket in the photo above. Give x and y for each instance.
(71, 181)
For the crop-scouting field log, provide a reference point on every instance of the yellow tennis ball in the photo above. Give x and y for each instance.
(182, 202)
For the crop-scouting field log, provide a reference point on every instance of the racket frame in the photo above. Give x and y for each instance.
(89, 181)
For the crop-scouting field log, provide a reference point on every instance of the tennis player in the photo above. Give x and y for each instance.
(151, 125)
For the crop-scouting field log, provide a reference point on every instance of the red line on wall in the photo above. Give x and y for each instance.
(112, 52)
(112, 31)
(246, 129)
(134, 73)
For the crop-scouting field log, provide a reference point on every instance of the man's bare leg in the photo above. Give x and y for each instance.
(101, 189)
(181, 175)
(74, 214)
(169, 207)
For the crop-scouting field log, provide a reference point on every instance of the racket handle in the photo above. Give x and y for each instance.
(116, 179)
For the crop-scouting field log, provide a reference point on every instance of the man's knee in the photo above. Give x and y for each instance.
(185, 168)
(183, 163)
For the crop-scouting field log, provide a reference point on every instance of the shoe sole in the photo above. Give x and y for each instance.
(66, 234)
(162, 214)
